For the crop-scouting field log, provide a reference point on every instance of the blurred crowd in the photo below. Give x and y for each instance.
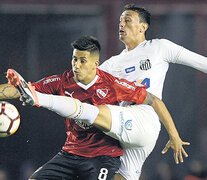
(163, 171)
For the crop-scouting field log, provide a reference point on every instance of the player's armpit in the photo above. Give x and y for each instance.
(8, 92)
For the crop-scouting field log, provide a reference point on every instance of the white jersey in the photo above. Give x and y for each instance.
(147, 64)
(149, 61)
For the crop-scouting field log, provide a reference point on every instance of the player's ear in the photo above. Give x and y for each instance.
(144, 27)
(97, 63)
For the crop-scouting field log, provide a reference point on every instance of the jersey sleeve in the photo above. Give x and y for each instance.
(170, 50)
(128, 91)
(177, 54)
(193, 60)
(48, 85)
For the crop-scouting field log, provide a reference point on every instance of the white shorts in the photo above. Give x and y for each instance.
(137, 128)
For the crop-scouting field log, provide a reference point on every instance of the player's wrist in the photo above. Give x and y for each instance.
(174, 136)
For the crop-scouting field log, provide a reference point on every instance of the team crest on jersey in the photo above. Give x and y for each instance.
(145, 65)
(102, 93)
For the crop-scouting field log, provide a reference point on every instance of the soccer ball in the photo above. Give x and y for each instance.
(9, 119)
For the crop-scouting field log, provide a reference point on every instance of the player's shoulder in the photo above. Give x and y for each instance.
(55, 78)
(164, 42)
(163, 45)
(104, 75)
(158, 41)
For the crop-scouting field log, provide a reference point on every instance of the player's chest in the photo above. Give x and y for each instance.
(100, 93)
(136, 65)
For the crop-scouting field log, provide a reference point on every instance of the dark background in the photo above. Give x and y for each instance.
(35, 39)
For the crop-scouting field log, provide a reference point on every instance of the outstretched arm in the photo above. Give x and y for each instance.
(175, 141)
(8, 92)
(193, 60)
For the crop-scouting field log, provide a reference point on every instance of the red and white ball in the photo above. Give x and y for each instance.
(9, 119)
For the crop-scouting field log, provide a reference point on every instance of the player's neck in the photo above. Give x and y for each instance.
(134, 43)
(89, 78)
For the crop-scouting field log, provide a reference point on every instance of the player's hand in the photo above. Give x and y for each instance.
(177, 145)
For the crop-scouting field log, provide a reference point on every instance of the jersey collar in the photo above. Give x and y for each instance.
(141, 44)
(88, 85)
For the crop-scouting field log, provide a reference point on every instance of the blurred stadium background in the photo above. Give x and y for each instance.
(35, 37)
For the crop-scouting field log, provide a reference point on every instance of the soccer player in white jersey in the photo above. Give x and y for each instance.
(135, 127)
(147, 61)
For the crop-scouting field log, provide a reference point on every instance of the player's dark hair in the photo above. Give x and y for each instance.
(87, 43)
(143, 14)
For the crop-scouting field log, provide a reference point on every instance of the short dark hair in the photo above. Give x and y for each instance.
(87, 43)
(144, 15)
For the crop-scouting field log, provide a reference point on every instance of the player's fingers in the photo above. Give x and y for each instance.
(180, 156)
(184, 152)
(176, 157)
(186, 143)
(165, 150)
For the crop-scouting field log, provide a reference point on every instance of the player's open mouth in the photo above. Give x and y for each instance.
(121, 32)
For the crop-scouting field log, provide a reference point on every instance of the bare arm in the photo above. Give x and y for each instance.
(175, 142)
(8, 92)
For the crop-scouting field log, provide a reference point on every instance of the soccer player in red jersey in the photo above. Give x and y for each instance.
(88, 153)
(93, 86)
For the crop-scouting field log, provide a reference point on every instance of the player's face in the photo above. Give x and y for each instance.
(84, 66)
(129, 26)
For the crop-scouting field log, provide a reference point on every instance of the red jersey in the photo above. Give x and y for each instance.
(87, 140)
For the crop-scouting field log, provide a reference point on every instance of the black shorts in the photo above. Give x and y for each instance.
(66, 166)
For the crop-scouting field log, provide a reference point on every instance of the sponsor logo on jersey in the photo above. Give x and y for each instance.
(145, 65)
(51, 80)
(130, 69)
(69, 94)
(122, 124)
(128, 124)
(125, 84)
(102, 93)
